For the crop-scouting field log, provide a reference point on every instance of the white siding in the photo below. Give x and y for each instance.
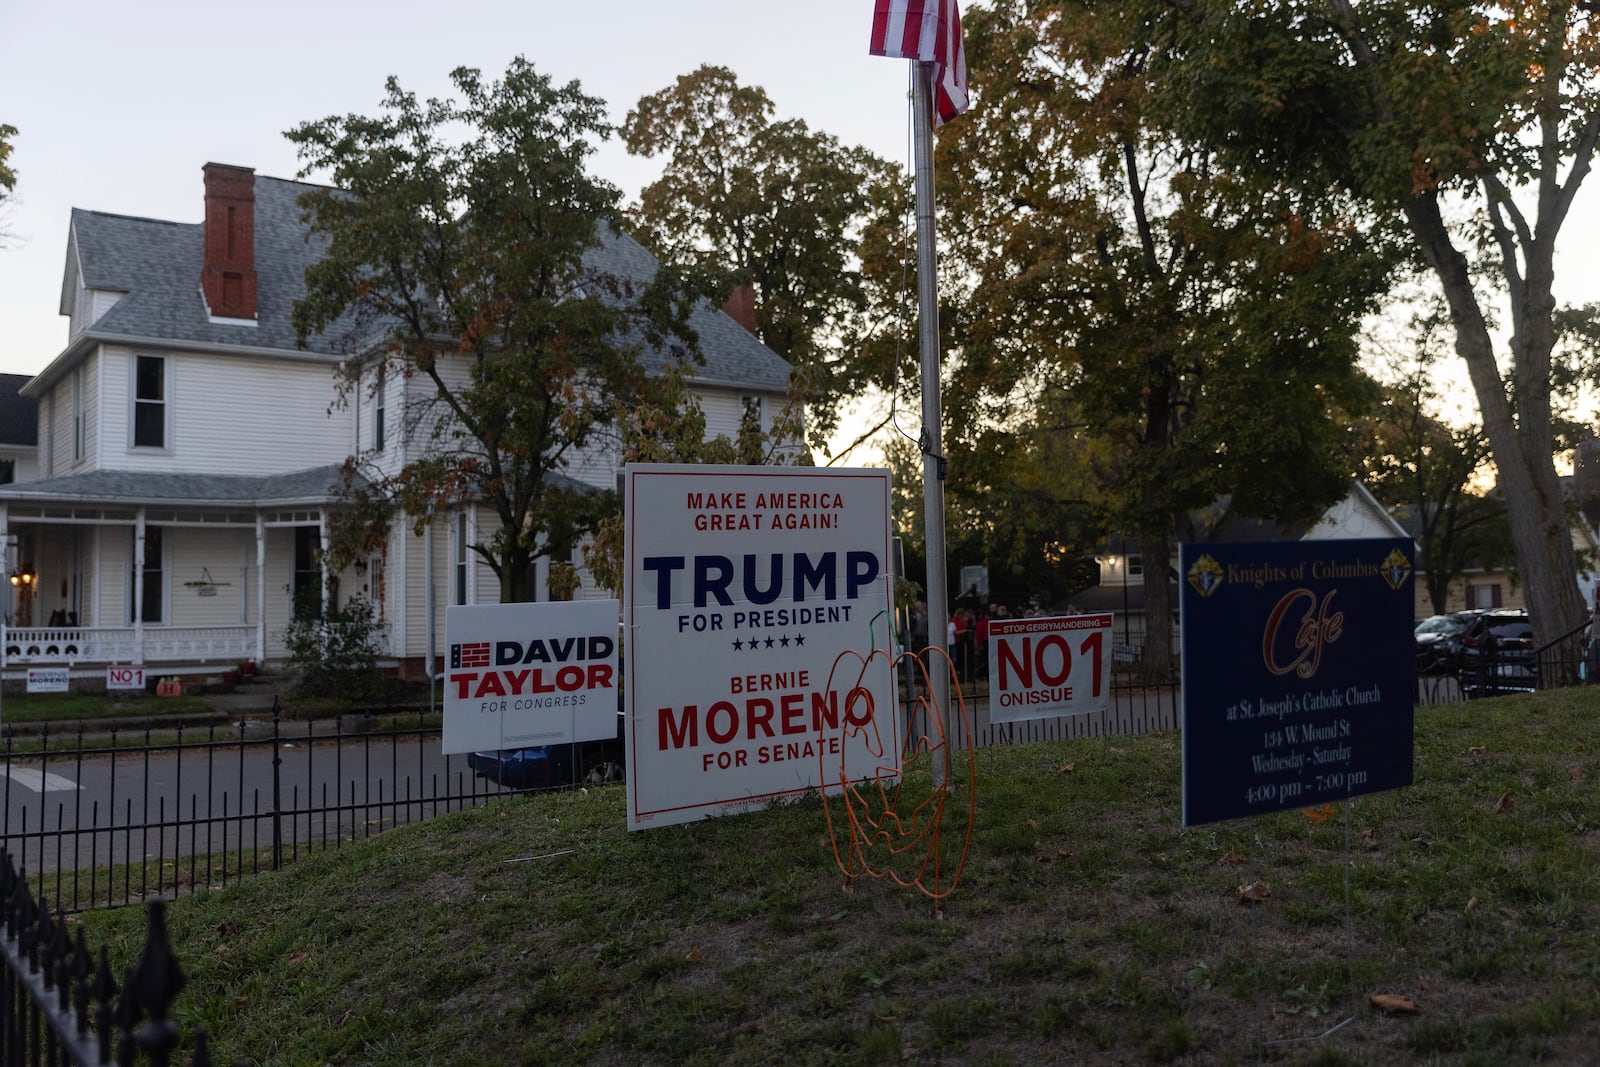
(229, 415)
(223, 556)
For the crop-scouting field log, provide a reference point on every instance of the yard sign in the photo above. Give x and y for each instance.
(744, 587)
(522, 675)
(1298, 673)
(1044, 667)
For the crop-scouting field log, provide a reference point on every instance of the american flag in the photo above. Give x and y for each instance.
(926, 30)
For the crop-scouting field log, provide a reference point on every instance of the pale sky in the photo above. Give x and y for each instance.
(119, 105)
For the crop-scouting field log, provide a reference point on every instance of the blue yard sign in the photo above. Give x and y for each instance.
(1298, 673)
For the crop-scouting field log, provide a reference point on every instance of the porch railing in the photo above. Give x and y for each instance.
(120, 644)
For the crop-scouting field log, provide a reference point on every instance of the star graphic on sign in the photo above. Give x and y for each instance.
(769, 640)
(737, 644)
(784, 640)
(754, 644)
(799, 639)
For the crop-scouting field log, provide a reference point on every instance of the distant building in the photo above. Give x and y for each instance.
(170, 500)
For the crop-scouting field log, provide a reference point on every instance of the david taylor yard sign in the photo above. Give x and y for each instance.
(755, 597)
(523, 675)
(1298, 673)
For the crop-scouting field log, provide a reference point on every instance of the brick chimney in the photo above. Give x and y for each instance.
(741, 306)
(228, 273)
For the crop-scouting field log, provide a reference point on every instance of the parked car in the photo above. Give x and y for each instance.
(1496, 654)
(1436, 638)
(554, 766)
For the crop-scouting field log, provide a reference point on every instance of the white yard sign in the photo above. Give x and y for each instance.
(521, 675)
(745, 585)
(1044, 667)
(47, 679)
(125, 676)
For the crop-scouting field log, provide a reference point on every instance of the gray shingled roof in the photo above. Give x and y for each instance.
(19, 415)
(316, 485)
(158, 265)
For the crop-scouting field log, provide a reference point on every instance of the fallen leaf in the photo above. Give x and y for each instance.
(1063, 854)
(1254, 893)
(1503, 805)
(240, 1002)
(346, 1017)
(227, 929)
(1158, 857)
(1042, 858)
(1232, 857)
(1033, 824)
(1394, 1004)
(1067, 768)
(1476, 750)
(298, 957)
(1318, 816)
(1472, 904)
(1577, 774)
(1369, 837)
(222, 950)
(693, 953)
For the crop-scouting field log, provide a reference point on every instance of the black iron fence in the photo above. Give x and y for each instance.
(58, 1007)
(101, 819)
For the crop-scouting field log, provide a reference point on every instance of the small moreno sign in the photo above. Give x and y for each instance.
(48, 679)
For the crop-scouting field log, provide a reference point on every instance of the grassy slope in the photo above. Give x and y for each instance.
(1088, 927)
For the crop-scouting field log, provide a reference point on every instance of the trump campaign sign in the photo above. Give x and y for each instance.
(1044, 667)
(755, 598)
(520, 675)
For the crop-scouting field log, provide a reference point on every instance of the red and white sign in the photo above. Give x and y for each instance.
(125, 676)
(48, 679)
(523, 675)
(755, 599)
(1044, 667)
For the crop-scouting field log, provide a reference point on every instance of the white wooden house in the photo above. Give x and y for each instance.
(188, 453)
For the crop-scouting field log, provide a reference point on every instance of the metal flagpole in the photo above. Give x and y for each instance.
(933, 461)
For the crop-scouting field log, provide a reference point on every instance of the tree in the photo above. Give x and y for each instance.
(8, 174)
(1423, 469)
(1472, 125)
(1112, 281)
(745, 199)
(456, 239)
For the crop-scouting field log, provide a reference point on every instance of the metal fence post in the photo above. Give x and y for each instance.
(277, 784)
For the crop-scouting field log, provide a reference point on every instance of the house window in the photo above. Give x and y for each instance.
(150, 605)
(8, 471)
(150, 402)
(750, 411)
(307, 573)
(1484, 596)
(461, 558)
(377, 409)
(1135, 566)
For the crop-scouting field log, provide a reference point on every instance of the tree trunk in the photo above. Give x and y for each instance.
(1520, 440)
(1157, 659)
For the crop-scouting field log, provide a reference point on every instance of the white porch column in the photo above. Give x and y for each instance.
(138, 586)
(427, 570)
(322, 563)
(261, 590)
(5, 580)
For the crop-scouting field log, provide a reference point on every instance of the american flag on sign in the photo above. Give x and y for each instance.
(926, 30)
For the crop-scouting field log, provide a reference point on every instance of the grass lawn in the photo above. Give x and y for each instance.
(72, 707)
(1088, 928)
